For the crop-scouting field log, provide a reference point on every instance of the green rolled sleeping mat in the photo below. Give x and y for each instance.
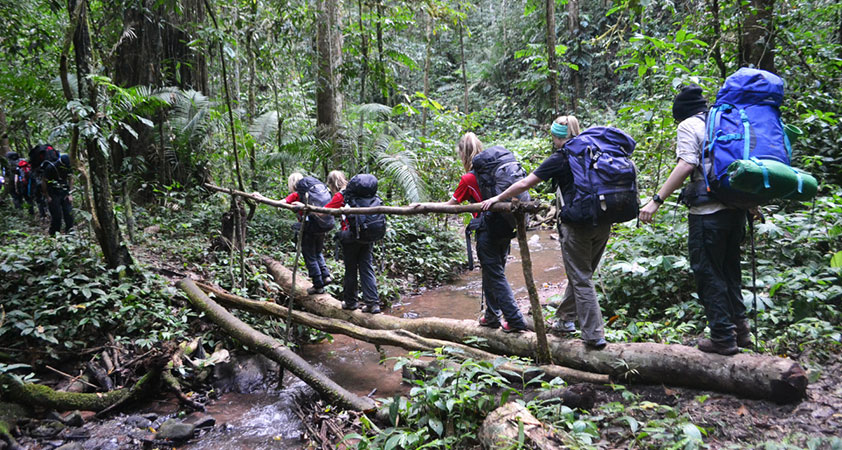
(778, 181)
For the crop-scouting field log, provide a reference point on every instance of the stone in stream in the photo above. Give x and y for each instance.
(71, 446)
(244, 374)
(175, 430)
(47, 429)
(74, 419)
(138, 422)
(199, 420)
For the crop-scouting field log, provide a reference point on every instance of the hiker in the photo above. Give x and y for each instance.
(358, 234)
(56, 184)
(492, 241)
(583, 236)
(311, 191)
(715, 231)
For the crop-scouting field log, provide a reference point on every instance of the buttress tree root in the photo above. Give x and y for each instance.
(747, 375)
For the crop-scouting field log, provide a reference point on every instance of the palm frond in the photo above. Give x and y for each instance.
(402, 167)
(264, 127)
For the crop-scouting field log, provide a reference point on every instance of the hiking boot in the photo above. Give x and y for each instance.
(371, 309)
(349, 306)
(315, 290)
(597, 344)
(743, 332)
(327, 280)
(563, 326)
(513, 329)
(709, 346)
(485, 322)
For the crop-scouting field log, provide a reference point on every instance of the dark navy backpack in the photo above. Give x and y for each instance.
(745, 124)
(361, 192)
(313, 192)
(496, 169)
(604, 188)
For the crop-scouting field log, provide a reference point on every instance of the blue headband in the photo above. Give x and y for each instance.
(558, 130)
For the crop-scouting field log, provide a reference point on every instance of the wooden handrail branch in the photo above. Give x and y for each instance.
(423, 208)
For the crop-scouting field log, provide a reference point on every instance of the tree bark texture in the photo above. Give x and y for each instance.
(273, 350)
(45, 397)
(501, 430)
(428, 31)
(716, 49)
(462, 63)
(746, 375)
(575, 75)
(329, 46)
(757, 43)
(397, 338)
(422, 208)
(552, 67)
(108, 233)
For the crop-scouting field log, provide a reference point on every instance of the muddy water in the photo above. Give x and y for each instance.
(266, 420)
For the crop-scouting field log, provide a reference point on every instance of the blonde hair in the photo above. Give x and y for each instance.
(572, 125)
(293, 179)
(336, 181)
(468, 147)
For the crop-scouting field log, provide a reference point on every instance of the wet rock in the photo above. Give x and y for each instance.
(138, 422)
(200, 420)
(176, 430)
(75, 434)
(244, 374)
(47, 429)
(823, 413)
(71, 446)
(73, 419)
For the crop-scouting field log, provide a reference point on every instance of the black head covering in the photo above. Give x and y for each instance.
(688, 102)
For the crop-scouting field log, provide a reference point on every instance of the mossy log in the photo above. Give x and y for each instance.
(747, 375)
(398, 338)
(273, 350)
(45, 397)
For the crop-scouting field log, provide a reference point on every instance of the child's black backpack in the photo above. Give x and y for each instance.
(361, 192)
(313, 192)
(496, 169)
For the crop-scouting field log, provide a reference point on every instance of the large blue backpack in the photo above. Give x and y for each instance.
(313, 192)
(496, 169)
(604, 178)
(361, 192)
(744, 134)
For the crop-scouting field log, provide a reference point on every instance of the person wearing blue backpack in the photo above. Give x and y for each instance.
(588, 208)
(311, 191)
(715, 229)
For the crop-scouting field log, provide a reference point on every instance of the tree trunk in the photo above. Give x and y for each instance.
(363, 52)
(462, 63)
(381, 67)
(251, 100)
(45, 397)
(543, 353)
(329, 45)
(428, 30)
(747, 375)
(575, 75)
(398, 338)
(552, 68)
(757, 43)
(108, 233)
(273, 350)
(713, 5)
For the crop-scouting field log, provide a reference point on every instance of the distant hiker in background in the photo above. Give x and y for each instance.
(311, 191)
(715, 230)
(493, 235)
(56, 184)
(585, 218)
(12, 178)
(358, 235)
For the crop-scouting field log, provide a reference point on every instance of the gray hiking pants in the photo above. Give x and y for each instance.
(581, 249)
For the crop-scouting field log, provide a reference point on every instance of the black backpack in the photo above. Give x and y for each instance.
(56, 168)
(313, 192)
(361, 192)
(496, 169)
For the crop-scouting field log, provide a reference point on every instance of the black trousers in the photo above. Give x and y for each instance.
(358, 261)
(714, 242)
(312, 248)
(499, 299)
(60, 208)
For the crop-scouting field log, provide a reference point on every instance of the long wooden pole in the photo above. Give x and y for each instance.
(421, 208)
(543, 355)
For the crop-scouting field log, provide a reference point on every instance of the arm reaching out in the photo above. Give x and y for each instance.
(514, 189)
(679, 174)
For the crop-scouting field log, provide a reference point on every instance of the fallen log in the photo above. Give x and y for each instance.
(273, 350)
(419, 208)
(398, 338)
(33, 394)
(501, 429)
(747, 375)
